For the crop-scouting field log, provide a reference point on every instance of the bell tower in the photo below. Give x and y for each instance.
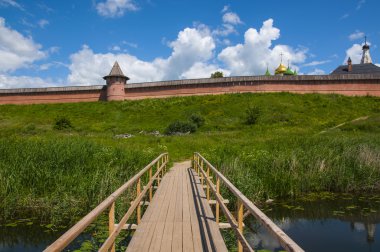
(116, 81)
(366, 58)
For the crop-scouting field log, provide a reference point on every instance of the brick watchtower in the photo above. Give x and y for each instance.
(116, 81)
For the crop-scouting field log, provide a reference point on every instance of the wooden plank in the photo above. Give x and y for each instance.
(195, 220)
(144, 232)
(203, 227)
(128, 226)
(214, 237)
(150, 238)
(213, 202)
(187, 232)
(177, 227)
(167, 237)
(177, 236)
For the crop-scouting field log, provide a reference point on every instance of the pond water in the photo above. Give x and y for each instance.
(327, 223)
(324, 222)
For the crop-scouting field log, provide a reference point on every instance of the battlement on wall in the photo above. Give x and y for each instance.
(359, 84)
(51, 89)
(259, 79)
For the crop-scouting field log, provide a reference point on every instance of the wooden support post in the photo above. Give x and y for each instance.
(217, 202)
(196, 164)
(138, 191)
(202, 178)
(240, 212)
(151, 187)
(201, 168)
(111, 223)
(158, 177)
(208, 186)
(166, 160)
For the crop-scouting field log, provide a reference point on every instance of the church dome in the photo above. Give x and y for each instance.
(281, 69)
(289, 72)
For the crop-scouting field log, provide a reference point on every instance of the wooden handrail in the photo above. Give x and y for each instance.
(78, 228)
(285, 241)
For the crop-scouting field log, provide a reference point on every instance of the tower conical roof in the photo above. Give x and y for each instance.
(116, 72)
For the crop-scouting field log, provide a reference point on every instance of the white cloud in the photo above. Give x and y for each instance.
(49, 65)
(377, 65)
(231, 18)
(115, 8)
(54, 49)
(317, 72)
(225, 8)
(356, 35)
(130, 44)
(360, 4)
(7, 81)
(42, 23)
(192, 47)
(253, 56)
(202, 70)
(16, 50)
(316, 63)
(224, 30)
(347, 15)
(12, 3)
(115, 48)
(355, 52)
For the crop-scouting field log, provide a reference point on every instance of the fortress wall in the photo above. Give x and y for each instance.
(352, 87)
(53, 97)
(359, 85)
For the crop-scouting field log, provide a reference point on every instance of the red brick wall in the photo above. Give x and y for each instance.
(52, 97)
(344, 89)
(157, 90)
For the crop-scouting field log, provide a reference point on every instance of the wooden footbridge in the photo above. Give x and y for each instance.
(183, 212)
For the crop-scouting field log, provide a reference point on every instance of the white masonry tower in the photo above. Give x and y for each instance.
(366, 58)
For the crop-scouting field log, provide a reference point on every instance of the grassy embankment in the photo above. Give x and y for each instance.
(62, 174)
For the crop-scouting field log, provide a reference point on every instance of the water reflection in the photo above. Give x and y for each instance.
(25, 238)
(334, 224)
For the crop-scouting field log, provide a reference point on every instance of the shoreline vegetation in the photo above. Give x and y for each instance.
(268, 145)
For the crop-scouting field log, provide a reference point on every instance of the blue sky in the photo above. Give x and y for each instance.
(75, 42)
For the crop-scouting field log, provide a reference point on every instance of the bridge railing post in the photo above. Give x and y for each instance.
(151, 186)
(159, 174)
(138, 191)
(202, 172)
(208, 186)
(240, 213)
(111, 223)
(198, 164)
(217, 202)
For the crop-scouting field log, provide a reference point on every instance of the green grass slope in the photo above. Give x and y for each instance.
(292, 149)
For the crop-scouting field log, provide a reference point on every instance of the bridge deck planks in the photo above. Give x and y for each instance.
(179, 217)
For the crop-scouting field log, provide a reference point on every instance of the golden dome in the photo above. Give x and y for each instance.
(281, 69)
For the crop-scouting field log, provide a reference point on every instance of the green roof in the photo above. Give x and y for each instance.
(289, 72)
(267, 73)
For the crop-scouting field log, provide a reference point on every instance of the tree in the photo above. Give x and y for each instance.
(217, 74)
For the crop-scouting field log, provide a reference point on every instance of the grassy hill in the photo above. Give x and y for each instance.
(292, 148)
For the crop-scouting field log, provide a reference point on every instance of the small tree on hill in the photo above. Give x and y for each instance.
(217, 74)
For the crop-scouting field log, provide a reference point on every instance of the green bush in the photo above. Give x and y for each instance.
(252, 115)
(180, 127)
(62, 123)
(197, 119)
